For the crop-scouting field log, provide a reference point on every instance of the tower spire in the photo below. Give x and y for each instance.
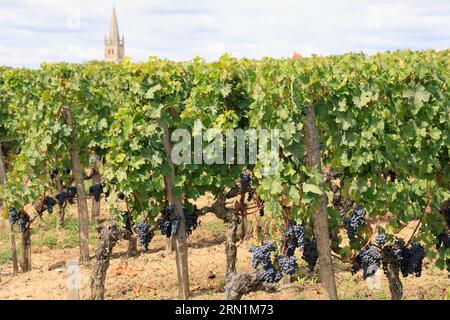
(114, 46)
(114, 27)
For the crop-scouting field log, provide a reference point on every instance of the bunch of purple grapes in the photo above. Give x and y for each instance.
(170, 224)
(295, 237)
(49, 202)
(68, 195)
(262, 254)
(269, 273)
(443, 240)
(245, 181)
(310, 254)
(288, 265)
(14, 216)
(412, 260)
(381, 239)
(262, 258)
(369, 259)
(19, 219)
(191, 220)
(143, 233)
(96, 190)
(356, 220)
(406, 258)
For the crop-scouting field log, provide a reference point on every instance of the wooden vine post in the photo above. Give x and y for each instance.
(12, 235)
(176, 200)
(25, 262)
(77, 171)
(320, 215)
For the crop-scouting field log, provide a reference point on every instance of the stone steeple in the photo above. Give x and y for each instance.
(114, 46)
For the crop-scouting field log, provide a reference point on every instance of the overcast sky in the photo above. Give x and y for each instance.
(33, 31)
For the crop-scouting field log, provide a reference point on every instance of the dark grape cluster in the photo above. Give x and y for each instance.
(71, 193)
(14, 216)
(245, 181)
(369, 259)
(66, 171)
(261, 254)
(23, 222)
(175, 224)
(269, 273)
(126, 217)
(310, 254)
(407, 259)
(295, 237)
(443, 239)
(393, 254)
(96, 190)
(61, 198)
(143, 233)
(356, 220)
(262, 258)
(54, 173)
(49, 202)
(381, 239)
(120, 195)
(261, 208)
(68, 195)
(412, 260)
(288, 265)
(19, 219)
(165, 227)
(191, 220)
(170, 224)
(250, 195)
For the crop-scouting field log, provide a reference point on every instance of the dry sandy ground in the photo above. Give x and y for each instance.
(152, 275)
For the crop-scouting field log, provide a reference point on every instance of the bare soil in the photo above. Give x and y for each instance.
(152, 274)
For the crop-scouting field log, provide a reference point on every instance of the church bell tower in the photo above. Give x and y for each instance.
(114, 46)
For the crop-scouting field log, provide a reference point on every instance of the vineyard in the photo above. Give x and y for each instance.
(358, 186)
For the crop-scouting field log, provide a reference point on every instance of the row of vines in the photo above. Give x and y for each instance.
(361, 139)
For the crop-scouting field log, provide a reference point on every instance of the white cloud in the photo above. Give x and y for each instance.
(53, 30)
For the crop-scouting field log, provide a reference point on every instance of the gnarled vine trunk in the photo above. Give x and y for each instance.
(239, 284)
(320, 215)
(395, 284)
(109, 235)
(132, 246)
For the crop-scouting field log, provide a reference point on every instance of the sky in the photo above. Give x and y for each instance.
(34, 31)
